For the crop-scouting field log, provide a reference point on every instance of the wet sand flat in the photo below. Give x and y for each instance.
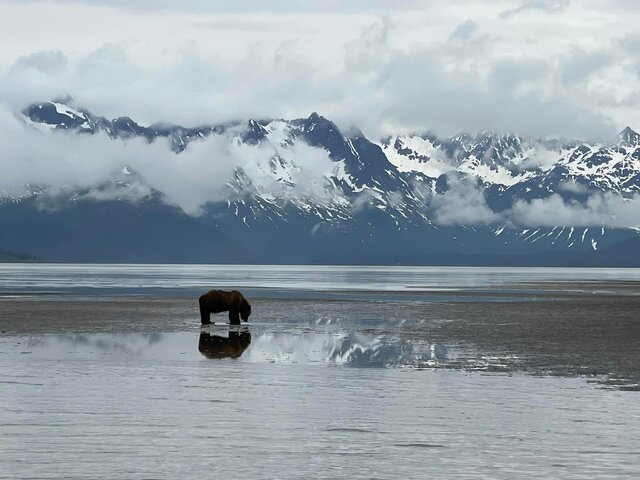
(588, 329)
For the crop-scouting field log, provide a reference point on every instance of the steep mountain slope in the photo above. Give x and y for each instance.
(304, 191)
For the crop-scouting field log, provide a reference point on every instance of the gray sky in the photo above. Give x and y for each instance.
(539, 67)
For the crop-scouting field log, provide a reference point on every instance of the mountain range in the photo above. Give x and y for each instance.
(305, 191)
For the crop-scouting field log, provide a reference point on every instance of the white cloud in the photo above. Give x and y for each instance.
(463, 203)
(544, 6)
(422, 66)
(609, 210)
(362, 201)
(465, 30)
(63, 161)
(572, 186)
(541, 158)
(252, 6)
(579, 65)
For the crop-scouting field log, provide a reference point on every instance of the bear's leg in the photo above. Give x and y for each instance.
(234, 317)
(205, 315)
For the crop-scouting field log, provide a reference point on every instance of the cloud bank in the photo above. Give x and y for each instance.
(464, 203)
(418, 67)
(69, 162)
(600, 209)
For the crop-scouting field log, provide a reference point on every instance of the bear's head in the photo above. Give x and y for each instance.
(245, 310)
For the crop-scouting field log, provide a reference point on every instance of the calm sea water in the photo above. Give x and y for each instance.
(334, 395)
(173, 279)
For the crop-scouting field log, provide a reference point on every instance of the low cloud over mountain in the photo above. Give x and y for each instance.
(56, 147)
(270, 173)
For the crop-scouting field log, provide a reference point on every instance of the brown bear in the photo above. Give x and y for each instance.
(216, 301)
(217, 347)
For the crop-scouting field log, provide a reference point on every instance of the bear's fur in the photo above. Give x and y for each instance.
(216, 347)
(216, 301)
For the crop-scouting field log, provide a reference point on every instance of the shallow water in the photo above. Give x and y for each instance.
(113, 278)
(139, 406)
(474, 377)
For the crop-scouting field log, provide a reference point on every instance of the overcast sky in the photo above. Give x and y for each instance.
(542, 67)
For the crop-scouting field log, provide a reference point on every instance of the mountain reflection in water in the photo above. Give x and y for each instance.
(318, 344)
(340, 347)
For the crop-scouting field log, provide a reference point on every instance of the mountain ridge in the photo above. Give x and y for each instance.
(379, 195)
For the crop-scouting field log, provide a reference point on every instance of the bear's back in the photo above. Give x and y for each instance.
(222, 298)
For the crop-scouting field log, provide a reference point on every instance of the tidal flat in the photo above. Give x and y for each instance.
(105, 372)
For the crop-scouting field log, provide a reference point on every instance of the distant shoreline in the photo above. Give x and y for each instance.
(15, 257)
(507, 262)
(462, 261)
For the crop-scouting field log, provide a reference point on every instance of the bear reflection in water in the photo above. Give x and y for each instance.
(216, 346)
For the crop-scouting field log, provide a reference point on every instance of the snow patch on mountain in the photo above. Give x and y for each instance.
(277, 169)
(495, 174)
(68, 111)
(416, 154)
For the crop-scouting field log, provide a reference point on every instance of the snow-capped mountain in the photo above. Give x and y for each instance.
(306, 191)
